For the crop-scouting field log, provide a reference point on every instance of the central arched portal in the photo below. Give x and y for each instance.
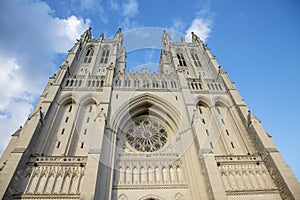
(146, 155)
(146, 124)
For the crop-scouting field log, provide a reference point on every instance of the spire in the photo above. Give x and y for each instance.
(166, 40)
(196, 39)
(101, 37)
(119, 36)
(86, 35)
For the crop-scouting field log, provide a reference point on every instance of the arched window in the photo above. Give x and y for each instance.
(173, 84)
(136, 83)
(196, 86)
(196, 59)
(88, 56)
(181, 59)
(127, 83)
(118, 83)
(164, 84)
(104, 57)
(154, 84)
(145, 83)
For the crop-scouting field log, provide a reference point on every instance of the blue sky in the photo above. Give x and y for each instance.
(256, 41)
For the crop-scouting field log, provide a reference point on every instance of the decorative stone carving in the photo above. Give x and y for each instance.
(146, 135)
(179, 196)
(244, 173)
(55, 176)
(140, 173)
(122, 197)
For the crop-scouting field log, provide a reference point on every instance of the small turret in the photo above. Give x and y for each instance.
(196, 39)
(118, 36)
(166, 40)
(86, 35)
(101, 37)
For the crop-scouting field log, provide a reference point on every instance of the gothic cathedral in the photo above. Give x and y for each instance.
(100, 132)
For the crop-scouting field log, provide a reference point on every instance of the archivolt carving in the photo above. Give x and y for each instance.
(179, 196)
(142, 103)
(151, 197)
(122, 197)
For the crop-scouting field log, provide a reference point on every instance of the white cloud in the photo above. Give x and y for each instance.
(30, 38)
(128, 24)
(68, 30)
(113, 5)
(9, 75)
(83, 7)
(178, 25)
(202, 23)
(18, 112)
(130, 8)
(200, 26)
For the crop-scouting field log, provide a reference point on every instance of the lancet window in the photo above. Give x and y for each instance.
(196, 59)
(181, 59)
(88, 56)
(104, 56)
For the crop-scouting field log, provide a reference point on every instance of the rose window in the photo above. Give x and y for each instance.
(146, 135)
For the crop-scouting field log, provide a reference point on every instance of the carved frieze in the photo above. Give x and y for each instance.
(54, 177)
(245, 174)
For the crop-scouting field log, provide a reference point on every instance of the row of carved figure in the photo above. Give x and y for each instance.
(246, 177)
(149, 176)
(55, 180)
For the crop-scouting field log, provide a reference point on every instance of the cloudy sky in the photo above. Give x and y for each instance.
(257, 42)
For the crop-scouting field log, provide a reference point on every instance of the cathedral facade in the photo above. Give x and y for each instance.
(101, 132)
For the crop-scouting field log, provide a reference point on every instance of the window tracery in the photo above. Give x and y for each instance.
(146, 135)
(104, 57)
(88, 56)
(181, 59)
(196, 59)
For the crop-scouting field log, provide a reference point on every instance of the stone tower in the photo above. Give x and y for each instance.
(185, 133)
